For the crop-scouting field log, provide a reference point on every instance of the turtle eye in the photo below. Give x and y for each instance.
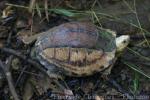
(124, 41)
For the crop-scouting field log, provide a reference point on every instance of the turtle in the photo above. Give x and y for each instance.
(78, 49)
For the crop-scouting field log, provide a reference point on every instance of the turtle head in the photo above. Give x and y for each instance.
(122, 42)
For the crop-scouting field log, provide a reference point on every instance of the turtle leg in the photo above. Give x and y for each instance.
(105, 74)
(108, 70)
(54, 75)
(53, 72)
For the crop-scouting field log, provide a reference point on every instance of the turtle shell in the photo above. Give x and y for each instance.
(76, 48)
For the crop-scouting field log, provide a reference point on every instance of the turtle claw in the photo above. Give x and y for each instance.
(105, 77)
(54, 75)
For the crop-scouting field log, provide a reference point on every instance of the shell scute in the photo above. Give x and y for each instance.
(87, 68)
(77, 48)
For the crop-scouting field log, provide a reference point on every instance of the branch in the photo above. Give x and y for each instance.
(9, 80)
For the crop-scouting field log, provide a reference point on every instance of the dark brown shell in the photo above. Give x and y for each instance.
(74, 49)
(71, 34)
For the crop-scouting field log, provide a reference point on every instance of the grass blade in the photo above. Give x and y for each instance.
(135, 68)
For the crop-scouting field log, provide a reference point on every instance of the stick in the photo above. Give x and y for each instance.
(9, 80)
(23, 57)
(32, 62)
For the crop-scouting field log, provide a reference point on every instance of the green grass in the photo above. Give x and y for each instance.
(138, 54)
(135, 84)
(135, 68)
(134, 87)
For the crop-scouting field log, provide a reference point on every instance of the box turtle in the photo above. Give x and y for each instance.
(78, 49)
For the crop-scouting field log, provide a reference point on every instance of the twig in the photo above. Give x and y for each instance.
(30, 61)
(10, 33)
(9, 80)
(138, 37)
(117, 86)
(19, 55)
(9, 38)
(21, 75)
